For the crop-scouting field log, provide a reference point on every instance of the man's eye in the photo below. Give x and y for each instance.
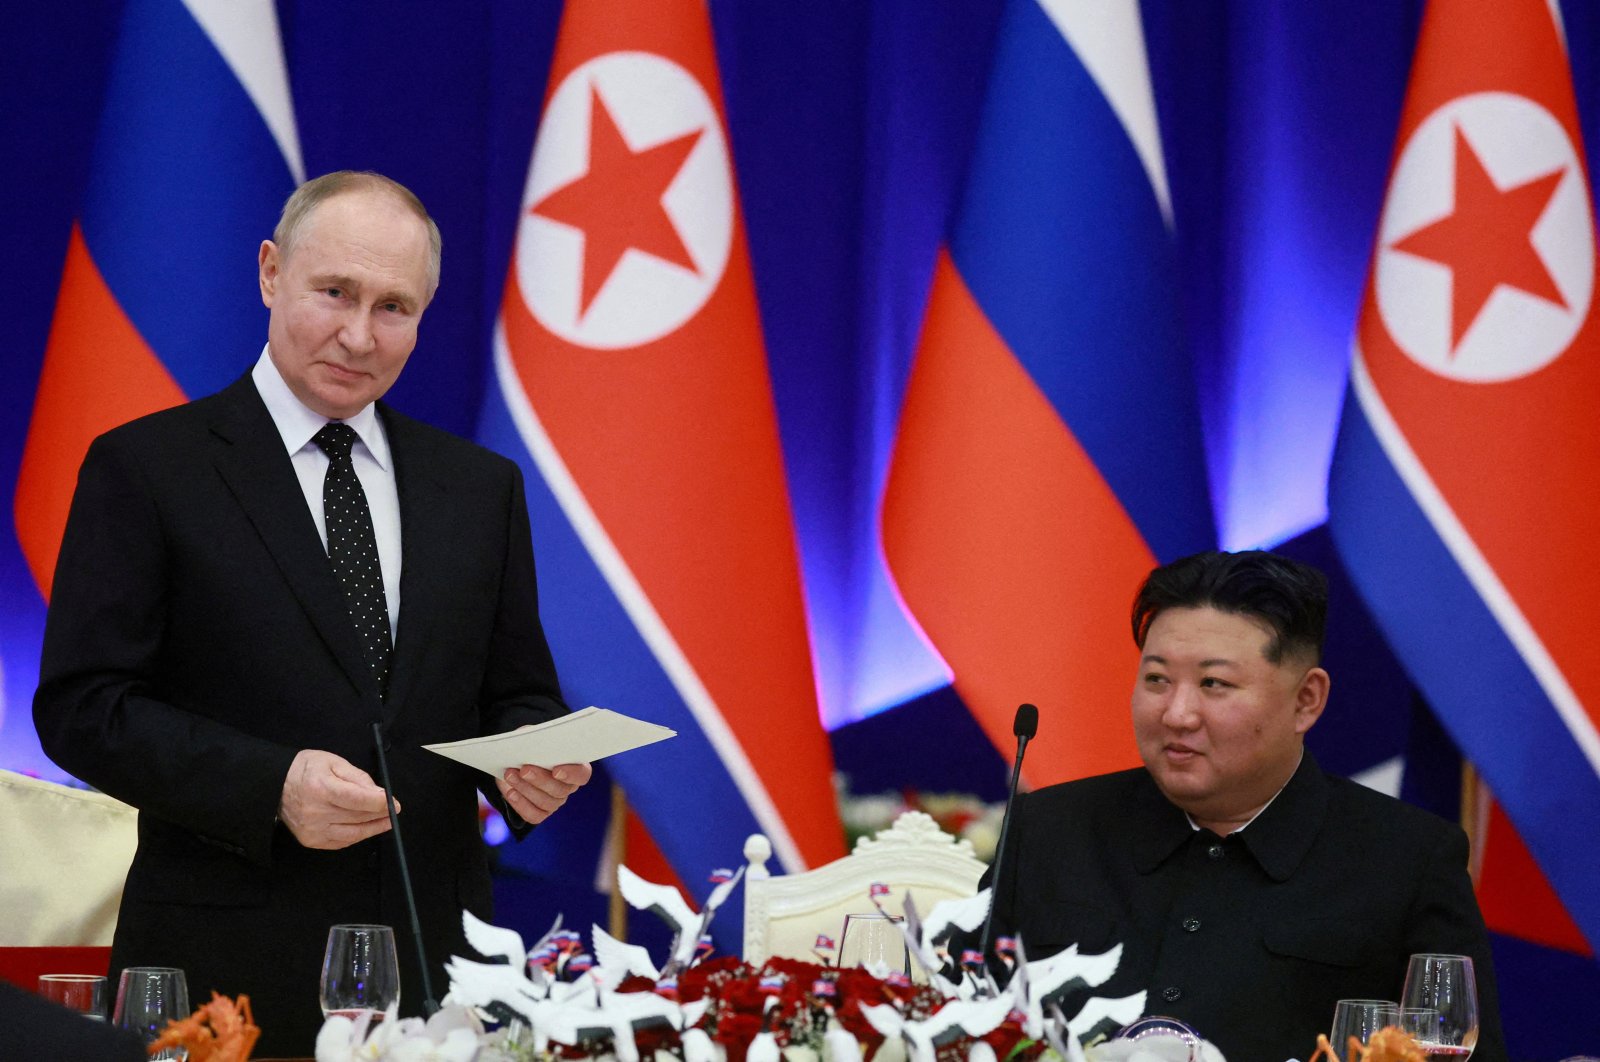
(333, 293)
(1212, 683)
(1153, 679)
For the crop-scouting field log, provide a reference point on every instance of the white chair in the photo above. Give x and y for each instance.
(783, 914)
(64, 853)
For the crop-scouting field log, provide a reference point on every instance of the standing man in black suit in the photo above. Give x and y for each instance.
(248, 582)
(1249, 890)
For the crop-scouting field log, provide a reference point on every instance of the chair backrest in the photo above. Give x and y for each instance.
(64, 853)
(784, 913)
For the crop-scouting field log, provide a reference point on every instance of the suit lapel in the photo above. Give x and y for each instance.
(425, 538)
(252, 462)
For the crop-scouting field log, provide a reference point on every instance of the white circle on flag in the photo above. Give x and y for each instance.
(1514, 333)
(652, 100)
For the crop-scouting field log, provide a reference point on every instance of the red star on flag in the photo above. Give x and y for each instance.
(617, 203)
(1487, 241)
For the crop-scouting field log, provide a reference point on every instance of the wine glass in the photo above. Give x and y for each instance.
(84, 993)
(873, 940)
(360, 973)
(148, 997)
(1361, 1018)
(1446, 984)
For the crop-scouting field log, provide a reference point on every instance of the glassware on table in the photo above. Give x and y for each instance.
(360, 972)
(1361, 1018)
(873, 939)
(1448, 985)
(1420, 1023)
(1156, 1028)
(148, 997)
(84, 993)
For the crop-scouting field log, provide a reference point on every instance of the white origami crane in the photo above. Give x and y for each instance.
(957, 1018)
(670, 906)
(1034, 984)
(924, 937)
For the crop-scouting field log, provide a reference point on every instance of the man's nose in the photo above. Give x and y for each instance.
(1181, 711)
(356, 334)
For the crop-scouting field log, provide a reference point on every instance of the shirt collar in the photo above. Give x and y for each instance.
(1279, 836)
(297, 423)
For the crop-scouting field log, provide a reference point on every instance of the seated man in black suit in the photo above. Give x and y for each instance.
(1250, 890)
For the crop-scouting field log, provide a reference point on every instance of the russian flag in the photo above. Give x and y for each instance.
(1049, 449)
(1462, 495)
(633, 387)
(195, 154)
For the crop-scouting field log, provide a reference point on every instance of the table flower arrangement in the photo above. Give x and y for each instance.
(558, 1001)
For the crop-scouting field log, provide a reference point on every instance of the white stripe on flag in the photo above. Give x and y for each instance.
(643, 614)
(246, 33)
(1472, 561)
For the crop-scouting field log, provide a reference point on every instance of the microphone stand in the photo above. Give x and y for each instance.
(1025, 726)
(430, 1006)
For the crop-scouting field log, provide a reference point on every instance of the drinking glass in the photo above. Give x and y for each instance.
(873, 939)
(148, 997)
(1164, 1037)
(84, 993)
(359, 971)
(1361, 1018)
(1446, 984)
(1420, 1023)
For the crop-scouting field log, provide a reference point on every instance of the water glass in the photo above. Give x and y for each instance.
(874, 940)
(84, 993)
(360, 972)
(1448, 985)
(1361, 1018)
(148, 997)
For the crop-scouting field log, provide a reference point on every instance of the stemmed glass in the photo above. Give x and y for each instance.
(148, 997)
(1447, 985)
(1361, 1018)
(360, 973)
(873, 940)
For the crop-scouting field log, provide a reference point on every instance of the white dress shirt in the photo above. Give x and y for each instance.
(370, 455)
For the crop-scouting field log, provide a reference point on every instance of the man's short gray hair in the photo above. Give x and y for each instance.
(319, 190)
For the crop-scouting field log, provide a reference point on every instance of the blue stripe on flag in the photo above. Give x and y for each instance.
(1062, 241)
(185, 184)
(1457, 653)
(680, 789)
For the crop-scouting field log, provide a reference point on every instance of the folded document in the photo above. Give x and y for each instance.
(581, 737)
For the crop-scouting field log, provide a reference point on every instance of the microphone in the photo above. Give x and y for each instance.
(1025, 726)
(430, 1006)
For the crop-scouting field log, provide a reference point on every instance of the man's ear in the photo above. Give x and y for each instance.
(267, 271)
(1310, 697)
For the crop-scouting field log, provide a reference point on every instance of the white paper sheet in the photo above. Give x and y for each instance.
(581, 737)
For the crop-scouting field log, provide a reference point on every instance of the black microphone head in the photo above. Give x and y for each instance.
(1027, 722)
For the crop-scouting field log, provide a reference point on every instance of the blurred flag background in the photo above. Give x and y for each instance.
(849, 193)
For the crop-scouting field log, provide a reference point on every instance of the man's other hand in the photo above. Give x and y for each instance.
(535, 793)
(329, 802)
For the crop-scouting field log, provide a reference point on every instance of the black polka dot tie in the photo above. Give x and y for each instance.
(353, 548)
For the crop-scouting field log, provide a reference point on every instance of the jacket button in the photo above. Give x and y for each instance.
(1191, 925)
(1215, 851)
(1171, 993)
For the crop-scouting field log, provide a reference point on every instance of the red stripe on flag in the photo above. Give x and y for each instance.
(1515, 458)
(674, 445)
(1010, 548)
(1514, 895)
(98, 373)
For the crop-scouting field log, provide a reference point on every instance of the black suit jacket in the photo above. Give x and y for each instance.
(197, 639)
(1251, 938)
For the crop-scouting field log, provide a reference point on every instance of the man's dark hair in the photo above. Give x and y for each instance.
(1289, 597)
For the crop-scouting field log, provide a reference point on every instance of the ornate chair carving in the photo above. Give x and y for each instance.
(784, 913)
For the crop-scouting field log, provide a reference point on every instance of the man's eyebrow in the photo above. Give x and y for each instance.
(1215, 661)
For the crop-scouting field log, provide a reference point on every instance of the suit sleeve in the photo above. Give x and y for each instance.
(99, 709)
(1445, 919)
